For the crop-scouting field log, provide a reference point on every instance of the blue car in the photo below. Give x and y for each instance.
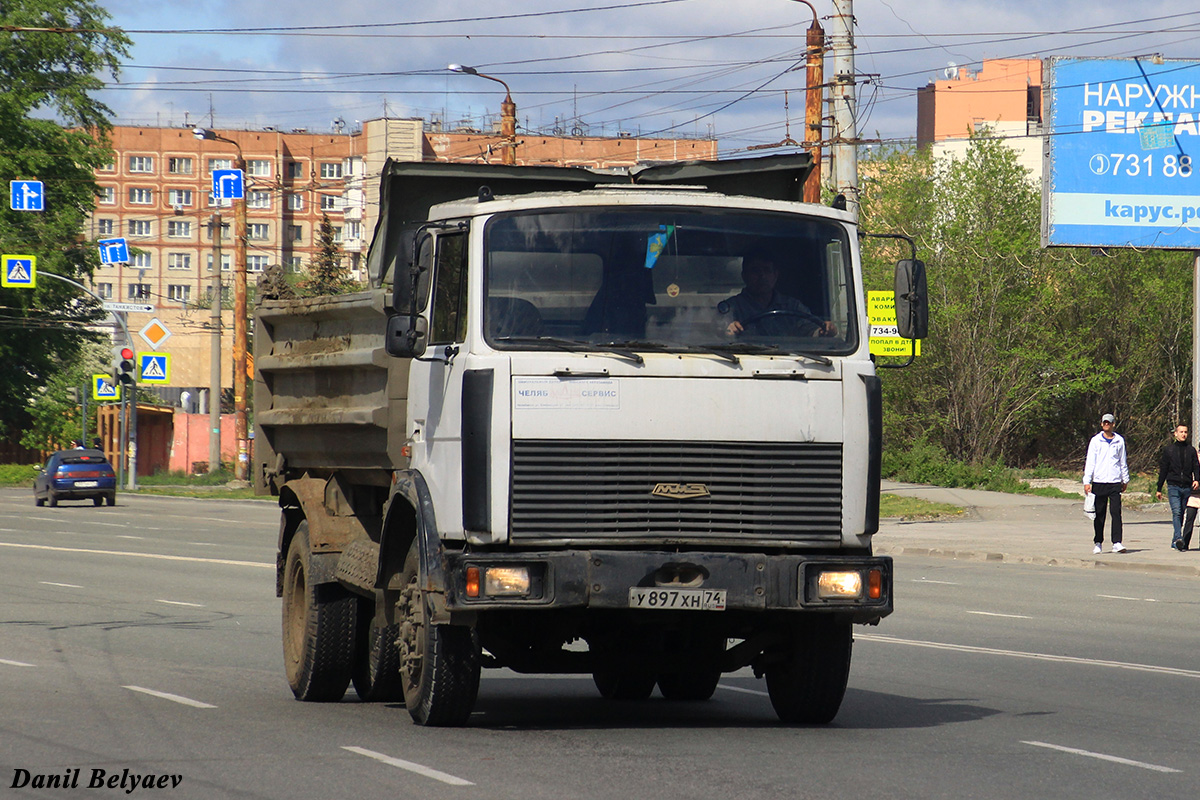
(76, 475)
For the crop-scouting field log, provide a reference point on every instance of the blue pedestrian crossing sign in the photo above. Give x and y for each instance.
(103, 388)
(154, 367)
(26, 196)
(19, 272)
(228, 184)
(113, 251)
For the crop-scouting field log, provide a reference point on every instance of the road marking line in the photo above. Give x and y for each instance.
(994, 614)
(410, 766)
(180, 603)
(743, 691)
(127, 536)
(1122, 597)
(8, 663)
(192, 559)
(927, 580)
(1102, 756)
(963, 648)
(64, 585)
(175, 698)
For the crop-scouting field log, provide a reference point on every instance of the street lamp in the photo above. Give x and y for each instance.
(508, 113)
(241, 464)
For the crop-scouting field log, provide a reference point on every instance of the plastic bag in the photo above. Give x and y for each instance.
(1089, 505)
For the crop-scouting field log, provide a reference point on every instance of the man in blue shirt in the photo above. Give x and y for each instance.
(1106, 474)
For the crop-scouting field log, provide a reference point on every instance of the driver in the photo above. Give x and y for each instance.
(759, 309)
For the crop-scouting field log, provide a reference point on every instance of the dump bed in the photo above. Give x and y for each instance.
(327, 397)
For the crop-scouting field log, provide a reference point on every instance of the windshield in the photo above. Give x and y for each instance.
(670, 279)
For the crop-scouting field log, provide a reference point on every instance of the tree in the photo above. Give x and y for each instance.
(52, 75)
(326, 275)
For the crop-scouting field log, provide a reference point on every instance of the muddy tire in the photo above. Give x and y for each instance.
(439, 664)
(376, 657)
(318, 629)
(807, 687)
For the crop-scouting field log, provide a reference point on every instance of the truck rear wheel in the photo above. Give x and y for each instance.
(807, 687)
(318, 628)
(377, 657)
(439, 664)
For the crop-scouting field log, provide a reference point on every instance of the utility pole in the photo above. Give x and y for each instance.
(845, 110)
(214, 371)
(815, 91)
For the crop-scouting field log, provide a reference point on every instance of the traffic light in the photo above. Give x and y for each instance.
(122, 365)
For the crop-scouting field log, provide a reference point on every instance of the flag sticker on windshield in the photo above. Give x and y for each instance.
(657, 243)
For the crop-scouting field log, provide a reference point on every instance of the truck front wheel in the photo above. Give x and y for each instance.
(624, 684)
(808, 684)
(439, 664)
(318, 628)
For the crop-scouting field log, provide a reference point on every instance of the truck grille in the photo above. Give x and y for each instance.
(603, 490)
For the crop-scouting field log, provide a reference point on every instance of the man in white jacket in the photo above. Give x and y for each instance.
(1106, 475)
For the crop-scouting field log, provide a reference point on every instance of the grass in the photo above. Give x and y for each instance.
(914, 508)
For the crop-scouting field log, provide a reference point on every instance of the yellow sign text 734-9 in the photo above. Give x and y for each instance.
(885, 337)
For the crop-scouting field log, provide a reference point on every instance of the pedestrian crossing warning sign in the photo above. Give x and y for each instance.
(103, 388)
(19, 272)
(154, 367)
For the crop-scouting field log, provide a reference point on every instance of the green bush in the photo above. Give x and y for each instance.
(926, 462)
(18, 474)
(179, 478)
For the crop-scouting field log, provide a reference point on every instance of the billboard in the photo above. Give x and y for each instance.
(1122, 162)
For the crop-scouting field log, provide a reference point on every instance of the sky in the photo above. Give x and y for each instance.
(709, 68)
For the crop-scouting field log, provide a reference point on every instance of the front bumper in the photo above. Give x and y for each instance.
(601, 579)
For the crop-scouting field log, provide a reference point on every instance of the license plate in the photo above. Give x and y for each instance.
(86, 484)
(677, 599)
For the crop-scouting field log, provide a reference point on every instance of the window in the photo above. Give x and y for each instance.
(179, 229)
(337, 232)
(104, 290)
(259, 200)
(226, 262)
(139, 227)
(139, 291)
(295, 233)
(354, 230)
(179, 261)
(179, 197)
(104, 227)
(256, 263)
(208, 231)
(295, 202)
(179, 292)
(219, 163)
(107, 195)
(141, 197)
(450, 291)
(208, 294)
(141, 164)
(179, 166)
(140, 260)
(330, 202)
(259, 167)
(294, 263)
(259, 231)
(331, 170)
(109, 166)
(293, 169)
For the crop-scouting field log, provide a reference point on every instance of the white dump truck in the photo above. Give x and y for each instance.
(619, 424)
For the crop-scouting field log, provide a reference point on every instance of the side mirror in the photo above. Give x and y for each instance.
(912, 299)
(406, 336)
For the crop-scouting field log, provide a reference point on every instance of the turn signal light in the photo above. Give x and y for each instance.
(472, 581)
(875, 584)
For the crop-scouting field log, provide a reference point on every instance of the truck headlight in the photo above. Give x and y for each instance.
(839, 585)
(505, 581)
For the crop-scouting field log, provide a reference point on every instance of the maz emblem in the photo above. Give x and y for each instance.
(680, 491)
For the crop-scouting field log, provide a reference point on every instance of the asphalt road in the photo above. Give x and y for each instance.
(146, 638)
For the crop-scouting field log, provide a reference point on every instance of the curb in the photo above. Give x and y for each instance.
(1181, 570)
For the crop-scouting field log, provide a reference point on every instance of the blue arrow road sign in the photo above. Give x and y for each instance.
(113, 251)
(20, 272)
(27, 196)
(154, 367)
(228, 184)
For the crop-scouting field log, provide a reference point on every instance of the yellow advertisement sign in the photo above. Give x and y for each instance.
(885, 337)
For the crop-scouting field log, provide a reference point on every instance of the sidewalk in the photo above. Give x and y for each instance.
(1026, 529)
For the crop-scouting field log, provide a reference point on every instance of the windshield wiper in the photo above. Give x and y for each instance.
(675, 347)
(572, 346)
(773, 349)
